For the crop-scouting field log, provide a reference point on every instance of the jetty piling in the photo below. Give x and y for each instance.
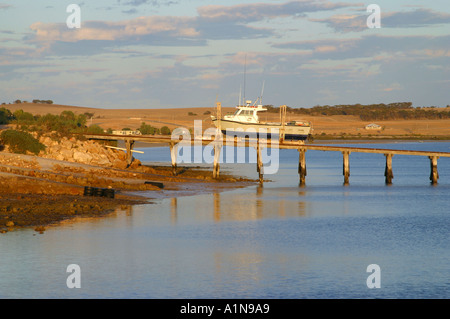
(218, 142)
(129, 145)
(302, 166)
(259, 163)
(389, 175)
(173, 156)
(346, 167)
(434, 175)
(216, 164)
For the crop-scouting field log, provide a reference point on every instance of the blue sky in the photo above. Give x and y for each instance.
(188, 53)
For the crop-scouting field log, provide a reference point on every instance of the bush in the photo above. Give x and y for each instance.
(95, 129)
(21, 142)
(165, 130)
(23, 117)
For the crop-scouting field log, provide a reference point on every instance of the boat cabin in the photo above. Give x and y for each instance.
(246, 114)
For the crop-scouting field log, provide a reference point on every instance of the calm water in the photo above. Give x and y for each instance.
(280, 241)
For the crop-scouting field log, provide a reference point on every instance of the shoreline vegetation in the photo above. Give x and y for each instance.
(45, 164)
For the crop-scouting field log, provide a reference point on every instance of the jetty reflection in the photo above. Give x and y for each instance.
(261, 204)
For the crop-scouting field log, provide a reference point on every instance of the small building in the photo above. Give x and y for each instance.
(373, 126)
(126, 132)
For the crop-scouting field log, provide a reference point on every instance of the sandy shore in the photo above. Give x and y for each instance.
(37, 192)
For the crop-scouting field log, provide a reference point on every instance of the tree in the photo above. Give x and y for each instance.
(89, 115)
(146, 129)
(5, 116)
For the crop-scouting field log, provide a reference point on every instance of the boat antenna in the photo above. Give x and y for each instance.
(245, 74)
(240, 92)
(262, 92)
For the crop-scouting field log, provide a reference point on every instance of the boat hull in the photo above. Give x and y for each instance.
(264, 130)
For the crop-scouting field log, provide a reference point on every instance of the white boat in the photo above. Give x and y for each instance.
(245, 123)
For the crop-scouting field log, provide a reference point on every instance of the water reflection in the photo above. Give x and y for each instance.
(243, 205)
(173, 210)
(258, 205)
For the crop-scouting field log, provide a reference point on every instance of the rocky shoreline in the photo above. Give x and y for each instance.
(37, 191)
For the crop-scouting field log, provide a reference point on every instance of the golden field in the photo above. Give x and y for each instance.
(331, 126)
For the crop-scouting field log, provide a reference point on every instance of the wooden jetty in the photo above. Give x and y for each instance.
(218, 141)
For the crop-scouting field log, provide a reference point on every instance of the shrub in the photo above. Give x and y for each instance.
(21, 142)
(95, 129)
(165, 130)
(23, 117)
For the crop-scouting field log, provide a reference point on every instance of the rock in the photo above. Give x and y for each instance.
(135, 163)
(120, 164)
(121, 155)
(66, 144)
(103, 162)
(82, 157)
(66, 153)
(40, 229)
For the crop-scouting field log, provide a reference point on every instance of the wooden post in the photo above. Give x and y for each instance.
(216, 166)
(173, 156)
(259, 164)
(282, 120)
(302, 166)
(219, 116)
(346, 167)
(434, 175)
(218, 141)
(388, 170)
(129, 145)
